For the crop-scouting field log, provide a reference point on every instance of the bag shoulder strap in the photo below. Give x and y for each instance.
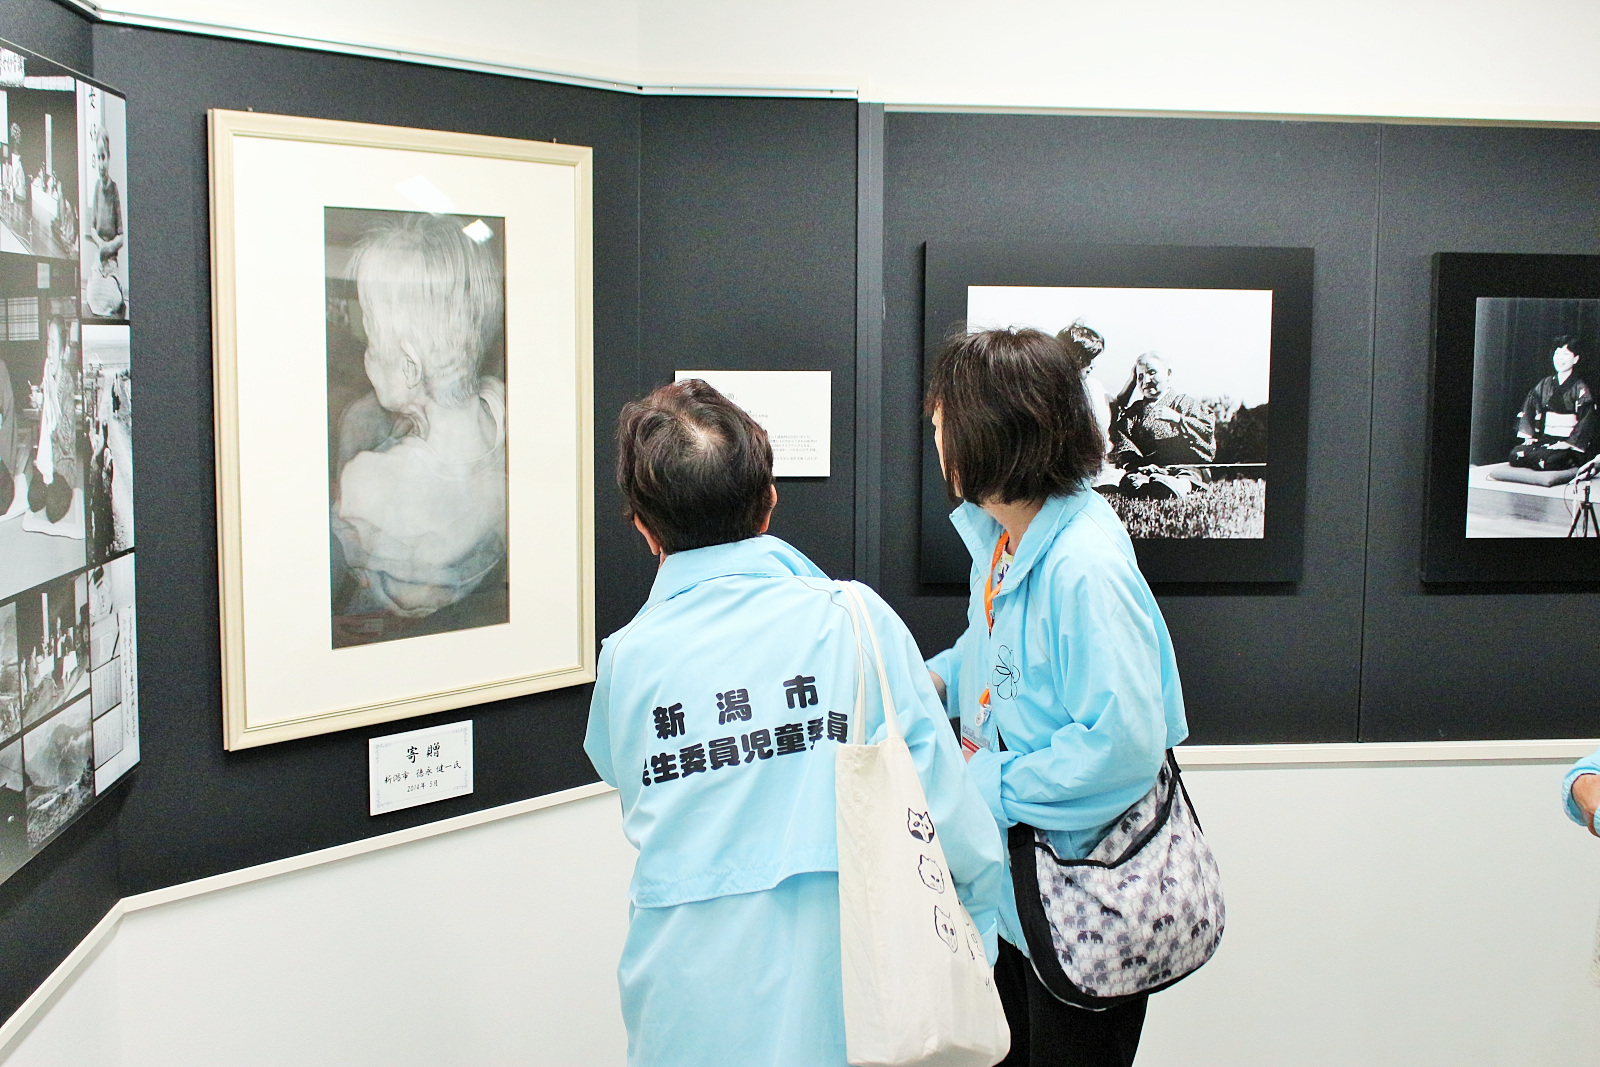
(861, 618)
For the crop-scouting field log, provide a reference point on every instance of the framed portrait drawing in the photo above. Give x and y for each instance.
(1513, 428)
(1197, 362)
(403, 379)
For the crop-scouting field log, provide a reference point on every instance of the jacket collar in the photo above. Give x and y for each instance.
(980, 532)
(763, 555)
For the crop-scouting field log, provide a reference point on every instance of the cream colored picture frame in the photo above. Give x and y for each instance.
(273, 179)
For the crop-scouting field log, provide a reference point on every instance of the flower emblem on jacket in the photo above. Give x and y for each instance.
(1005, 674)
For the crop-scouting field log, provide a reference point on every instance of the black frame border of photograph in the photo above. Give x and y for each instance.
(1275, 557)
(1460, 279)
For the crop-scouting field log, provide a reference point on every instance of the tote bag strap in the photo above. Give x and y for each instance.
(858, 719)
(858, 611)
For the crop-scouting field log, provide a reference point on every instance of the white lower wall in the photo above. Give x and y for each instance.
(1393, 915)
(494, 945)
(1399, 915)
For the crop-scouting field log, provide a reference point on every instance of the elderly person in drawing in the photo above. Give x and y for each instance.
(1160, 438)
(420, 512)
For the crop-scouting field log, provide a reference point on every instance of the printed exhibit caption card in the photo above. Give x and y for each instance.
(793, 406)
(419, 767)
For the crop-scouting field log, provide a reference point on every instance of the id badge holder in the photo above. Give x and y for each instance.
(972, 739)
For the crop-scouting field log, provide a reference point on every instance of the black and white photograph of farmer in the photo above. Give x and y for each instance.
(1535, 420)
(417, 423)
(1179, 380)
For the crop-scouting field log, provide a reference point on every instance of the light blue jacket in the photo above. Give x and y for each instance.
(1083, 683)
(716, 713)
(1590, 764)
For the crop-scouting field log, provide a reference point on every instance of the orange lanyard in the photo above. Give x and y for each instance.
(1000, 547)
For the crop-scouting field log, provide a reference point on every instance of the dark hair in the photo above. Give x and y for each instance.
(1016, 422)
(1082, 344)
(693, 467)
(1571, 342)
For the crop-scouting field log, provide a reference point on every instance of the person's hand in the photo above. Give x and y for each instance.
(938, 684)
(1586, 794)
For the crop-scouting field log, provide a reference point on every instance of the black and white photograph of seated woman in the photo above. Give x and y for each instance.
(417, 471)
(1535, 446)
(1179, 380)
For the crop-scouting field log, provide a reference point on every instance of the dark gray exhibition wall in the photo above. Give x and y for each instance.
(49, 29)
(747, 242)
(1462, 662)
(195, 809)
(1359, 649)
(751, 205)
(1281, 663)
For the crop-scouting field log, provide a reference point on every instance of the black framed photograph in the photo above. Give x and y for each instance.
(1197, 362)
(1514, 429)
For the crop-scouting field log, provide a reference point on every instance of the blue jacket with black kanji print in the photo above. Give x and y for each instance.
(716, 714)
(1080, 671)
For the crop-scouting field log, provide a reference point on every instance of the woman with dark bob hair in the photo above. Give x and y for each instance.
(716, 714)
(1064, 680)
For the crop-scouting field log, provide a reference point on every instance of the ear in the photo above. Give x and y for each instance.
(649, 538)
(770, 506)
(410, 365)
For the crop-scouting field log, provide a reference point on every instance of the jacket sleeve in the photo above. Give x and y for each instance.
(597, 740)
(947, 665)
(1588, 765)
(1107, 674)
(967, 833)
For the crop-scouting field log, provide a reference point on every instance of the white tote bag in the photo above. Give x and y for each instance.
(917, 986)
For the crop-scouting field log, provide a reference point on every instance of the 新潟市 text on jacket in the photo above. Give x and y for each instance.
(716, 714)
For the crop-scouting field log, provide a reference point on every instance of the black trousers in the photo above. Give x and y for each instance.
(1047, 1033)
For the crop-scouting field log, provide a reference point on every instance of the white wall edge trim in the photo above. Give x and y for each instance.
(33, 1009)
(451, 61)
(1259, 116)
(22, 1020)
(1384, 753)
(290, 864)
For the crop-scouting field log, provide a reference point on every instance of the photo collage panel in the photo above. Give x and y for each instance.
(68, 671)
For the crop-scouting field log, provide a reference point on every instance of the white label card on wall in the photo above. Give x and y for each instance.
(795, 407)
(420, 766)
